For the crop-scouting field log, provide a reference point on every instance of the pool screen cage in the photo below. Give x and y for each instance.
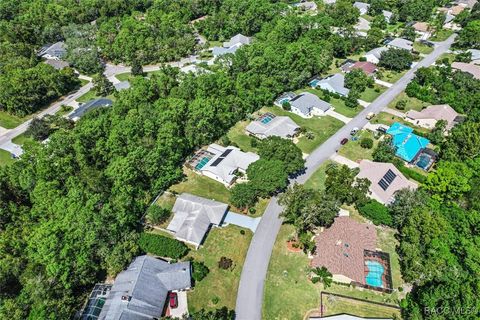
(384, 259)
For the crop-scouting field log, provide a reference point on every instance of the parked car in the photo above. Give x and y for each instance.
(354, 131)
(370, 115)
(344, 141)
(173, 300)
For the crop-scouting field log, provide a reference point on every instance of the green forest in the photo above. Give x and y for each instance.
(70, 210)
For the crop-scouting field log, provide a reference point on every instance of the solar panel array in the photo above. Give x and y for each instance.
(387, 180)
(220, 159)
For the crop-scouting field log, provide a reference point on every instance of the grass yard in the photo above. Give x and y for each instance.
(90, 95)
(449, 56)
(21, 139)
(9, 121)
(336, 305)
(321, 127)
(219, 285)
(422, 48)
(412, 103)
(317, 180)
(203, 186)
(5, 158)
(353, 151)
(237, 135)
(390, 75)
(83, 82)
(395, 28)
(371, 94)
(64, 110)
(123, 76)
(389, 119)
(288, 292)
(441, 35)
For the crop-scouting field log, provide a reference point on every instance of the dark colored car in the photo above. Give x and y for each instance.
(344, 141)
(173, 300)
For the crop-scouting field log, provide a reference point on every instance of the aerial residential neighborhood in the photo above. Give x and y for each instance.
(247, 159)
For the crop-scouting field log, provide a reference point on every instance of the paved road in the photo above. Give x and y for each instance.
(250, 291)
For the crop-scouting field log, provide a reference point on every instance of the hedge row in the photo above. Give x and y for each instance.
(162, 246)
(377, 213)
(412, 174)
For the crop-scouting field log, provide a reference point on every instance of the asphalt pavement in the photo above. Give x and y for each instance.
(250, 291)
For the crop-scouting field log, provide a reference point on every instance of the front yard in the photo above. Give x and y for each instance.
(219, 287)
(441, 35)
(9, 121)
(412, 103)
(5, 158)
(422, 48)
(338, 104)
(321, 127)
(370, 94)
(353, 151)
(390, 75)
(388, 119)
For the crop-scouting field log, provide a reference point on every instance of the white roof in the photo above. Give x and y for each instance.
(377, 52)
(401, 43)
(362, 24)
(361, 5)
(475, 54)
(436, 112)
(336, 82)
(237, 39)
(283, 127)
(307, 101)
(193, 216)
(227, 161)
(375, 171)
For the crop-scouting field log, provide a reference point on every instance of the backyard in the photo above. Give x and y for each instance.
(203, 186)
(321, 127)
(334, 304)
(354, 151)
(219, 287)
(237, 135)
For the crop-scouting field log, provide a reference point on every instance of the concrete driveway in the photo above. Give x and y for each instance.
(182, 308)
(241, 220)
(252, 281)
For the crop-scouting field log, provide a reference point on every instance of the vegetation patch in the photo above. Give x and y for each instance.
(162, 246)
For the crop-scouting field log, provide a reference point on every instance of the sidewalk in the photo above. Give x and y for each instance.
(342, 160)
(383, 83)
(394, 112)
(338, 116)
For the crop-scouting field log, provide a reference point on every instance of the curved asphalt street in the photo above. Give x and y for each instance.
(250, 291)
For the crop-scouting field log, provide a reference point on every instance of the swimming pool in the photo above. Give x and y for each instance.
(202, 163)
(375, 273)
(314, 83)
(266, 120)
(423, 161)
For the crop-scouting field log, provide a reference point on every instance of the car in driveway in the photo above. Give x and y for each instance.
(344, 141)
(173, 300)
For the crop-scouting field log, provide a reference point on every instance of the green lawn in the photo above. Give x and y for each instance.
(449, 56)
(422, 48)
(389, 119)
(220, 284)
(288, 292)
(317, 180)
(203, 186)
(21, 139)
(9, 121)
(91, 95)
(322, 127)
(390, 75)
(64, 110)
(123, 76)
(370, 94)
(441, 35)
(83, 82)
(412, 103)
(353, 151)
(394, 28)
(5, 158)
(337, 305)
(237, 135)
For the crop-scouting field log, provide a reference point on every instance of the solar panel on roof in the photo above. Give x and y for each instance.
(225, 153)
(383, 184)
(216, 162)
(389, 176)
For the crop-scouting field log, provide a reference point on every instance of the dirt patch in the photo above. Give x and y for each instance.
(293, 246)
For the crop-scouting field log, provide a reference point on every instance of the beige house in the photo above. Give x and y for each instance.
(471, 68)
(422, 29)
(428, 117)
(386, 179)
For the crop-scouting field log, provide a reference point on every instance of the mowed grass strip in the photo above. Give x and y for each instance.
(219, 288)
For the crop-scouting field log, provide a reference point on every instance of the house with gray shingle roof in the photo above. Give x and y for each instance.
(374, 55)
(400, 43)
(362, 7)
(92, 104)
(334, 83)
(141, 291)
(269, 125)
(232, 45)
(307, 104)
(54, 51)
(194, 216)
(387, 15)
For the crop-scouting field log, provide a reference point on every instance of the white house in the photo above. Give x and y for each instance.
(373, 55)
(362, 7)
(232, 45)
(428, 117)
(307, 105)
(334, 83)
(268, 125)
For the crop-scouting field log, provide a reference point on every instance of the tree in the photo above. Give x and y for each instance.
(276, 148)
(366, 143)
(293, 200)
(396, 59)
(322, 275)
(342, 184)
(374, 37)
(406, 202)
(102, 86)
(157, 215)
(243, 195)
(376, 212)
(351, 100)
(320, 211)
(469, 36)
(384, 152)
(358, 80)
(409, 33)
(199, 271)
(267, 176)
(38, 129)
(137, 69)
(449, 181)
(437, 135)
(82, 51)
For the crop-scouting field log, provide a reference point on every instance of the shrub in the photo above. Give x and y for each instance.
(252, 210)
(225, 141)
(401, 104)
(411, 174)
(162, 246)
(376, 212)
(286, 106)
(362, 59)
(326, 98)
(253, 143)
(366, 143)
(199, 271)
(157, 215)
(215, 300)
(242, 232)
(225, 263)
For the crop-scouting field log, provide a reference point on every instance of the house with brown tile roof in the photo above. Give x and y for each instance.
(340, 249)
(385, 180)
(367, 67)
(422, 29)
(471, 68)
(428, 117)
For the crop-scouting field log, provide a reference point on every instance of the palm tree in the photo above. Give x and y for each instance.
(323, 275)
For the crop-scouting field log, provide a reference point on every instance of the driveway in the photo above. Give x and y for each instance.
(13, 148)
(241, 220)
(342, 160)
(182, 308)
(250, 291)
(394, 112)
(338, 116)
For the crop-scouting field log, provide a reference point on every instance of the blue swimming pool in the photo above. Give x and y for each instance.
(423, 161)
(314, 83)
(266, 120)
(375, 273)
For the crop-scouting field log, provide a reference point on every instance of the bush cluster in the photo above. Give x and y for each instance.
(162, 246)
